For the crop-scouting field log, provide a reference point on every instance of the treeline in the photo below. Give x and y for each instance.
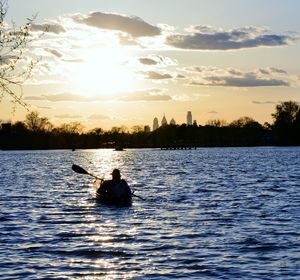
(39, 133)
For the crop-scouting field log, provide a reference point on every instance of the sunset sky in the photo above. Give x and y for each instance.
(113, 63)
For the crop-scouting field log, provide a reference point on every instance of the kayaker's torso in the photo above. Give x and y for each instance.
(114, 190)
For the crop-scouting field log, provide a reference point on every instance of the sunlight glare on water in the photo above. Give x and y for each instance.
(230, 213)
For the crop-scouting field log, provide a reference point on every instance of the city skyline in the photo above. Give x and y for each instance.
(113, 63)
(164, 121)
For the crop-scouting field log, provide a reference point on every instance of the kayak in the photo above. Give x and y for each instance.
(104, 198)
(124, 201)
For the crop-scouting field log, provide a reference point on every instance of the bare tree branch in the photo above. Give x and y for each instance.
(14, 69)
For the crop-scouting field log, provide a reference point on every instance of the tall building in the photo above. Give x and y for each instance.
(172, 121)
(164, 121)
(189, 118)
(155, 124)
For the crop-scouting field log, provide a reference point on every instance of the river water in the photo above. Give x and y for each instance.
(217, 213)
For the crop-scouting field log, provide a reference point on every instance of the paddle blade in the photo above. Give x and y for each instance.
(79, 169)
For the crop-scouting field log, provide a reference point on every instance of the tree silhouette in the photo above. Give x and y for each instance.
(36, 123)
(71, 128)
(216, 123)
(38, 133)
(286, 123)
(14, 69)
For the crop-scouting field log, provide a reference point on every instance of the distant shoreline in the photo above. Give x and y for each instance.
(150, 148)
(244, 132)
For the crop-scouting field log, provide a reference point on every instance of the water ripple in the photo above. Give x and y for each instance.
(229, 213)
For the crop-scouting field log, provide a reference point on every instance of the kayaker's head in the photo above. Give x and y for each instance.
(116, 176)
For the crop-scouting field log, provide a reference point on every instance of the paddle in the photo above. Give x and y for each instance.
(137, 196)
(80, 170)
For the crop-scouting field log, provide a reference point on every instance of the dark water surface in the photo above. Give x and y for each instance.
(231, 213)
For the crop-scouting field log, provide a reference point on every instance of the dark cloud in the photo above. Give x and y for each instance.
(230, 77)
(48, 27)
(271, 70)
(134, 26)
(147, 61)
(246, 81)
(153, 75)
(276, 70)
(180, 76)
(264, 71)
(98, 117)
(211, 39)
(235, 72)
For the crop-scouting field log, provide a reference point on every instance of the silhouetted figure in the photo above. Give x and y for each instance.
(115, 191)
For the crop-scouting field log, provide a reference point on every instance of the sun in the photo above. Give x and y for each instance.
(102, 71)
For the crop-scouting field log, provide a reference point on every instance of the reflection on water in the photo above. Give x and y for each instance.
(210, 214)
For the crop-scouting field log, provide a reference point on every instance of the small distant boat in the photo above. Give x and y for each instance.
(119, 148)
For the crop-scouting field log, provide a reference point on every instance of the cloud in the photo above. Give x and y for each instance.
(276, 70)
(153, 75)
(150, 95)
(206, 69)
(264, 102)
(60, 55)
(134, 26)
(185, 97)
(270, 102)
(98, 117)
(34, 98)
(64, 97)
(127, 40)
(264, 71)
(229, 77)
(45, 107)
(148, 61)
(157, 60)
(68, 116)
(271, 70)
(246, 81)
(54, 52)
(235, 72)
(48, 27)
(208, 38)
(212, 112)
(74, 60)
(142, 95)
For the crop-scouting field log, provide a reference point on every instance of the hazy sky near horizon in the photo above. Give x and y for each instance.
(113, 63)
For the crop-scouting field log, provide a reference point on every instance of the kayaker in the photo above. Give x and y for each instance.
(116, 189)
